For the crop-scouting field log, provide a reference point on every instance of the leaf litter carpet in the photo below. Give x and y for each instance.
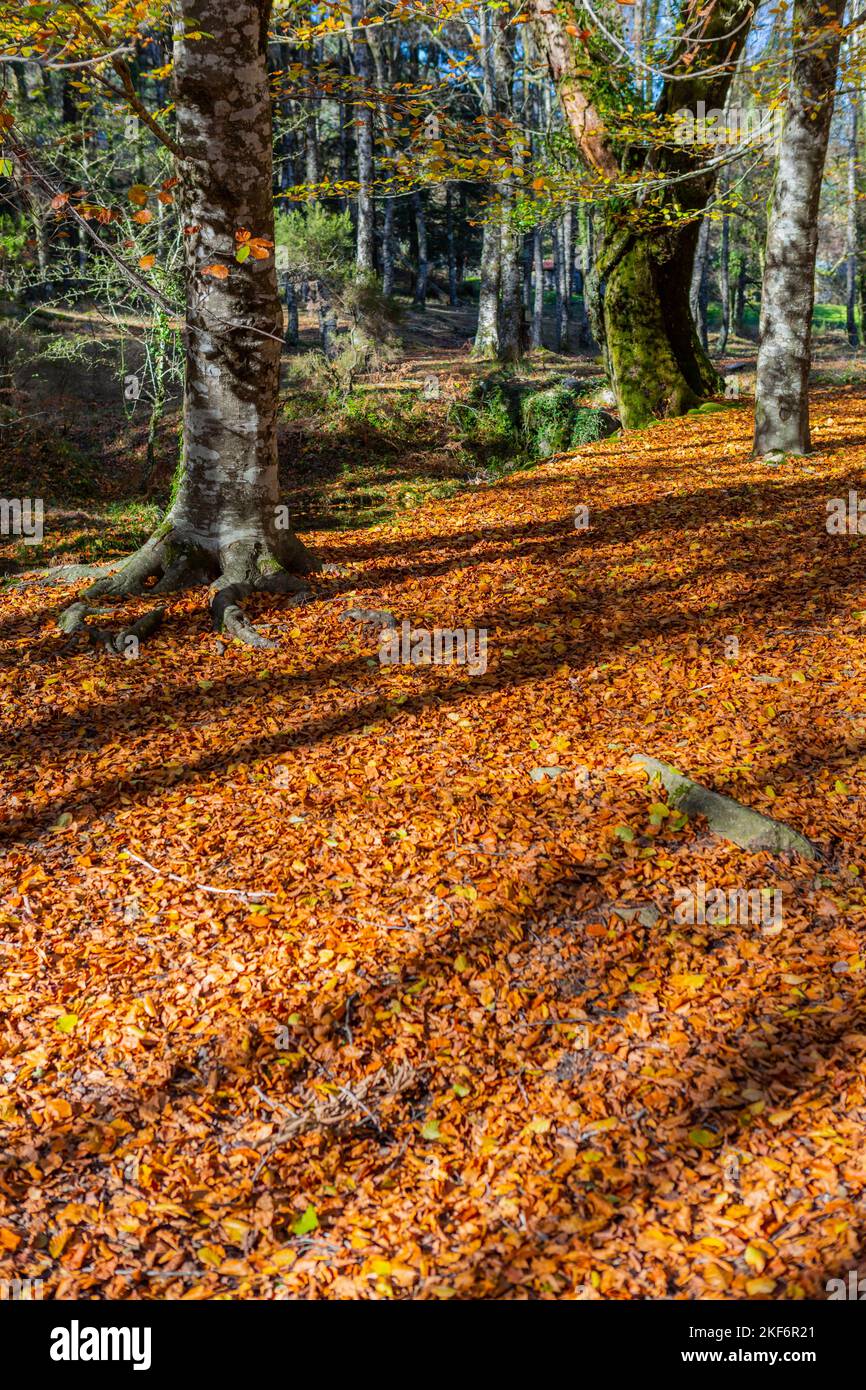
(326, 979)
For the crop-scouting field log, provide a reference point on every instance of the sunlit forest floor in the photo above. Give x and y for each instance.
(325, 978)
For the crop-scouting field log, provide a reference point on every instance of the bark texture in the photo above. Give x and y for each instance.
(784, 352)
(225, 522)
(638, 290)
(366, 225)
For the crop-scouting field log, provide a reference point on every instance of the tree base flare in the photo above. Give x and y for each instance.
(174, 559)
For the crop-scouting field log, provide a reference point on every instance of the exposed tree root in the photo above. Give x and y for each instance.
(228, 616)
(175, 559)
(71, 574)
(126, 642)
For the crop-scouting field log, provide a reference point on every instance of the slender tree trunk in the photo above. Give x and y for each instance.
(526, 273)
(345, 117)
(698, 286)
(451, 236)
(537, 288)
(567, 270)
(382, 57)
(366, 223)
(291, 335)
(851, 230)
(388, 249)
(584, 334)
(487, 331)
(638, 43)
(288, 173)
(860, 222)
(422, 266)
(311, 130)
(327, 324)
(784, 352)
(510, 346)
(739, 311)
(562, 259)
(724, 284)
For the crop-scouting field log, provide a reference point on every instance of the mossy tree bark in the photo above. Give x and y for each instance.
(638, 289)
(639, 307)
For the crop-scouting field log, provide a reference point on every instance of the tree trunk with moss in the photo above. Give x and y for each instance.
(639, 309)
(638, 290)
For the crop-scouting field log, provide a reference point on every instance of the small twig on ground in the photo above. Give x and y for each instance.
(246, 894)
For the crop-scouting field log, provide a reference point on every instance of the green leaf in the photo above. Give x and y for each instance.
(241, 254)
(306, 1223)
(624, 832)
(704, 1138)
(66, 1023)
(430, 1130)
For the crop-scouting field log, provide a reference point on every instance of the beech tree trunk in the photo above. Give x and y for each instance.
(487, 331)
(451, 239)
(851, 246)
(422, 264)
(499, 333)
(784, 352)
(537, 288)
(724, 284)
(638, 291)
(225, 521)
(366, 225)
(510, 298)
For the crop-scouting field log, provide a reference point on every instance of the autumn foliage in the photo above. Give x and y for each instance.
(328, 979)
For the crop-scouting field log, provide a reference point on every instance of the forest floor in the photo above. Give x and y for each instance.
(327, 978)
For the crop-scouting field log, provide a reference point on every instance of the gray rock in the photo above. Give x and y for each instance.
(538, 774)
(370, 617)
(726, 817)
